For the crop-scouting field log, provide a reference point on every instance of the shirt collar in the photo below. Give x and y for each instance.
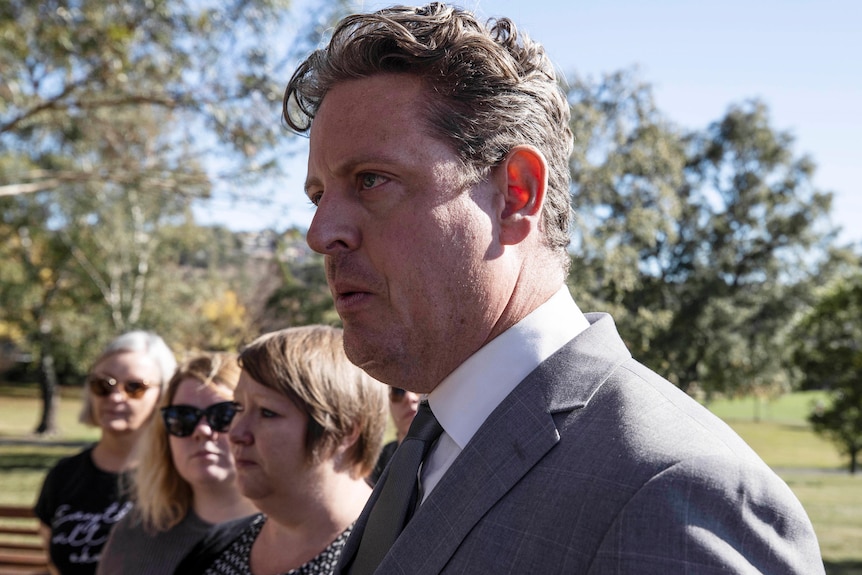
(466, 397)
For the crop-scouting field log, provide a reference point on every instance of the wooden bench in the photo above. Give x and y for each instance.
(21, 548)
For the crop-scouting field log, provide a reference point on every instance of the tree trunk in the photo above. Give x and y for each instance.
(48, 387)
(47, 384)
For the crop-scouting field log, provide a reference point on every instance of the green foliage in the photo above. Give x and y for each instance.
(828, 351)
(303, 297)
(703, 245)
(113, 117)
(79, 74)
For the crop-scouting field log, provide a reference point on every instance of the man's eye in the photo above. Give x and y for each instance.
(371, 180)
(315, 198)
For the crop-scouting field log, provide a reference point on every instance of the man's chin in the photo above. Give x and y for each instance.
(356, 346)
(389, 364)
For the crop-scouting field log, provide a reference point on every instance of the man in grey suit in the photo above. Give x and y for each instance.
(438, 163)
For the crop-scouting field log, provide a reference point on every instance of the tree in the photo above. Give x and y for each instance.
(200, 63)
(303, 296)
(112, 118)
(31, 278)
(828, 351)
(104, 236)
(704, 245)
(627, 170)
(289, 286)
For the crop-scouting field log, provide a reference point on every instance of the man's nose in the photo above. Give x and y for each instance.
(334, 226)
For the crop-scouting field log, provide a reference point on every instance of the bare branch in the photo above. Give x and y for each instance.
(178, 181)
(33, 187)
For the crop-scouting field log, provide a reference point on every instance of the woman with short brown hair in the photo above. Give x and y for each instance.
(308, 430)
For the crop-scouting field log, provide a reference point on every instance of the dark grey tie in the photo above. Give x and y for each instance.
(399, 494)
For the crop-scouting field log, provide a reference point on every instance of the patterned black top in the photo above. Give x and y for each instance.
(236, 559)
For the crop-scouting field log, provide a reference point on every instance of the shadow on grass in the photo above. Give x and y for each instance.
(36, 461)
(31, 459)
(843, 567)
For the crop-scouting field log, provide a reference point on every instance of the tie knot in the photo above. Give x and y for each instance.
(425, 426)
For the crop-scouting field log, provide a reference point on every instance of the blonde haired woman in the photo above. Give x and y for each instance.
(307, 432)
(81, 500)
(186, 481)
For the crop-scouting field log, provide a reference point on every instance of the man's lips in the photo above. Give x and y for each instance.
(349, 296)
(350, 300)
(342, 287)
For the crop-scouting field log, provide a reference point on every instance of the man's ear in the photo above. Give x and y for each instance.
(526, 182)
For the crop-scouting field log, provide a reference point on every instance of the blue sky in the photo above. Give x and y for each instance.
(803, 58)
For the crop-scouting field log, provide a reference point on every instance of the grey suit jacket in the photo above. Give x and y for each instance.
(596, 465)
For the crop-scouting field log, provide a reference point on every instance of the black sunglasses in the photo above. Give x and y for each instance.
(181, 420)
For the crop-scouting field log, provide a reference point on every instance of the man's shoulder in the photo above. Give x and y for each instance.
(607, 405)
(640, 402)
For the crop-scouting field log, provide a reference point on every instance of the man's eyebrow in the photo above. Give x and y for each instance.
(309, 183)
(349, 165)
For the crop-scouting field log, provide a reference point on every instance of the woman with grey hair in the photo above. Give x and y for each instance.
(81, 498)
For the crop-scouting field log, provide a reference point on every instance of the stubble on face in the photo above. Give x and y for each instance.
(439, 311)
(419, 250)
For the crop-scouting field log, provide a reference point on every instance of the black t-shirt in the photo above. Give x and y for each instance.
(80, 503)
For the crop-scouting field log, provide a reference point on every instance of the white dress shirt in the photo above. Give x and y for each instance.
(464, 400)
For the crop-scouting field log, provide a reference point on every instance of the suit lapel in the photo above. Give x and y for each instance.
(494, 460)
(517, 435)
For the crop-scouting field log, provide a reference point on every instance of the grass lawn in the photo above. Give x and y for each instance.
(777, 430)
(834, 504)
(20, 410)
(787, 446)
(813, 468)
(24, 458)
(791, 408)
